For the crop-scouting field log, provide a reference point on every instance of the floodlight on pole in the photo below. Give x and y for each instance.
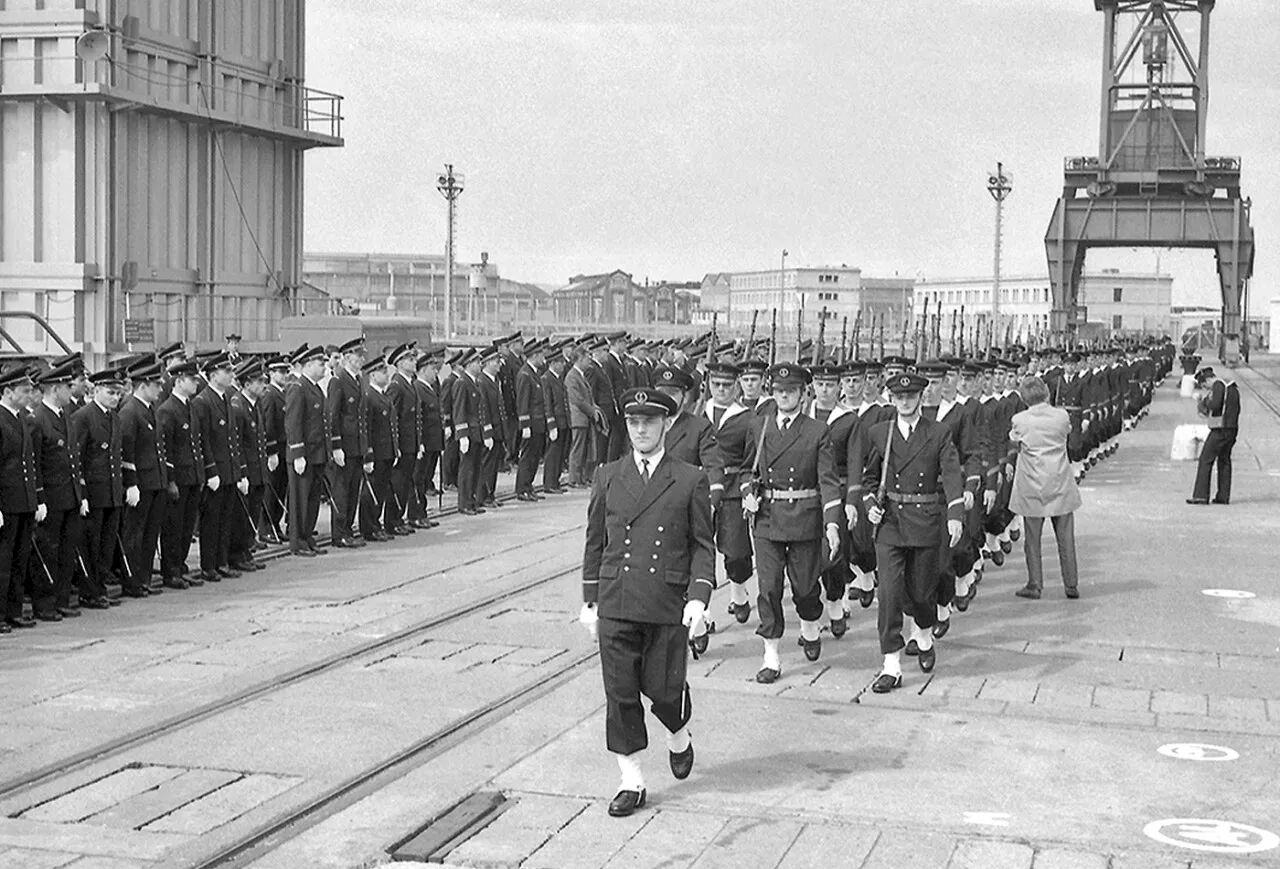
(999, 185)
(450, 184)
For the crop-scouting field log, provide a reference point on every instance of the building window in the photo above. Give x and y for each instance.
(1117, 321)
(1117, 293)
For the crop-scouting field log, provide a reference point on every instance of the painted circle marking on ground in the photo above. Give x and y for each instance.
(1228, 592)
(1213, 836)
(1198, 751)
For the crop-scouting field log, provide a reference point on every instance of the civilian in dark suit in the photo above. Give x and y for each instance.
(647, 508)
(344, 405)
(1221, 409)
(59, 536)
(95, 440)
(616, 376)
(383, 436)
(449, 457)
(491, 461)
(145, 475)
(276, 484)
(585, 417)
(224, 468)
(474, 434)
(306, 426)
(404, 397)
(22, 504)
(795, 500)
(247, 408)
(186, 475)
(913, 456)
(531, 415)
(555, 402)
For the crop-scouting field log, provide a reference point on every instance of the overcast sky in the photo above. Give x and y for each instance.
(670, 138)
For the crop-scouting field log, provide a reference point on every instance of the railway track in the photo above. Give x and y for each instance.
(1267, 402)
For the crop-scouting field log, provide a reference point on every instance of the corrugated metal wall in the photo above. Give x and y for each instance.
(209, 214)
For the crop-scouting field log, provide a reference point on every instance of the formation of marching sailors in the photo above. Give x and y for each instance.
(866, 481)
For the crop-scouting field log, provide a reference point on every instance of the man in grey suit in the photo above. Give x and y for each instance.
(584, 416)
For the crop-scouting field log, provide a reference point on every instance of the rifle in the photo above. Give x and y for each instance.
(751, 338)
(960, 349)
(902, 344)
(883, 490)
(773, 338)
(819, 349)
(844, 337)
(923, 333)
(799, 332)
(882, 316)
(857, 329)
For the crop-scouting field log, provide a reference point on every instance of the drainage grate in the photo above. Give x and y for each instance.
(433, 841)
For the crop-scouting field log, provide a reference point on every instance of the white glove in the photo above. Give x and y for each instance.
(833, 539)
(694, 611)
(464, 445)
(1, 520)
(553, 435)
(243, 485)
(750, 504)
(968, 500)
(589, 618)
(340, 458)
(41, 512)
(1084, 425)
(273, 462)
(488, 443)
(213, 483)
(448, 431)
(132, 496)
(955, 528)
(988, 499)
(875, 514)
(422, 451)
(300, 466)
(368, 467)
(526, 433)
(851, 515)
(84, 509)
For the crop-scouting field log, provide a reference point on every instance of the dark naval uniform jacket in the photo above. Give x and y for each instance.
(21, 489)
(924, 486)
(95, 438)
(649, 547)
(798, 495)
(143, 461)
(732, 431)
(181, 447)
(691, 439)
(59, 464)
(306, 424)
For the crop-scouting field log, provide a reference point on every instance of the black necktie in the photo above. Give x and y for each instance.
(717, 414)
(644, 471)
(786, 424)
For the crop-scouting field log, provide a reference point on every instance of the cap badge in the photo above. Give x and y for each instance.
(642, 397)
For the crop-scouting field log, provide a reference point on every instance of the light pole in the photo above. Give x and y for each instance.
(999, 185)
(450, 186)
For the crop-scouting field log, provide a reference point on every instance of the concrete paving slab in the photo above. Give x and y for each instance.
(518, 832)
(1180, 702)
(829, 845)
(87, 840)
(671, 839)
(979, 854)
(141, 809)
(222, 805)
(102, 794)
(749, 842)
(896, 848)
(589, 841)
(1065, 858)
(24, 858)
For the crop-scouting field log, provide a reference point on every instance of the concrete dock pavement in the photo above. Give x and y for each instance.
(1135, 728)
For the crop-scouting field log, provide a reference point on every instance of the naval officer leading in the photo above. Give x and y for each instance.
(648, 572)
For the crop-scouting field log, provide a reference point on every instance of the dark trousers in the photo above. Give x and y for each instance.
(638, 658)
(304, 506)
(615, 442)
(101, 532)
(344, 492)
(276, 491)
(469, 476)
(733, 540)
(531, 450)
(1064, 531)
(178, 530)
(248, 516)
(510, 446)
(58, 536)
(862, 542)
(402, 495)
(801, 562)
(490, 463)
(216, 518)
(375, 495)
(908, 585)
(835, 571)
(1216, 451)
(582, 465)
(424, 474)
(449, 464)
(140, 532)
(15, 552)
(554, 460)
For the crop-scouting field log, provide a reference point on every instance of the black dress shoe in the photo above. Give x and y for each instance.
(839, 627)
(1072, 592)
(301, 553)
(1223, 501)
(380, 537)
(399, 531)
(1014, 534)
(865, 598)
(229, 573)
(175, 582)
(928, 658)
(885, 683)
(20, 622)
(961, 602)
(134, 592)
(68, 613)
(424, 524)
(5, 629)
(1006, 547)
(940, 628)
(192, 581)
(491, 504)
(682, 762)
(95, 603)
(741, 612)
(768, 675)
(699, 644)
(625, 803)
(812, 648)
(997, 558)
(1028, 593)
(209, 576)
(1198, 501)
(525, 496)
(342, 543)
(913, 648)
(52, 616)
